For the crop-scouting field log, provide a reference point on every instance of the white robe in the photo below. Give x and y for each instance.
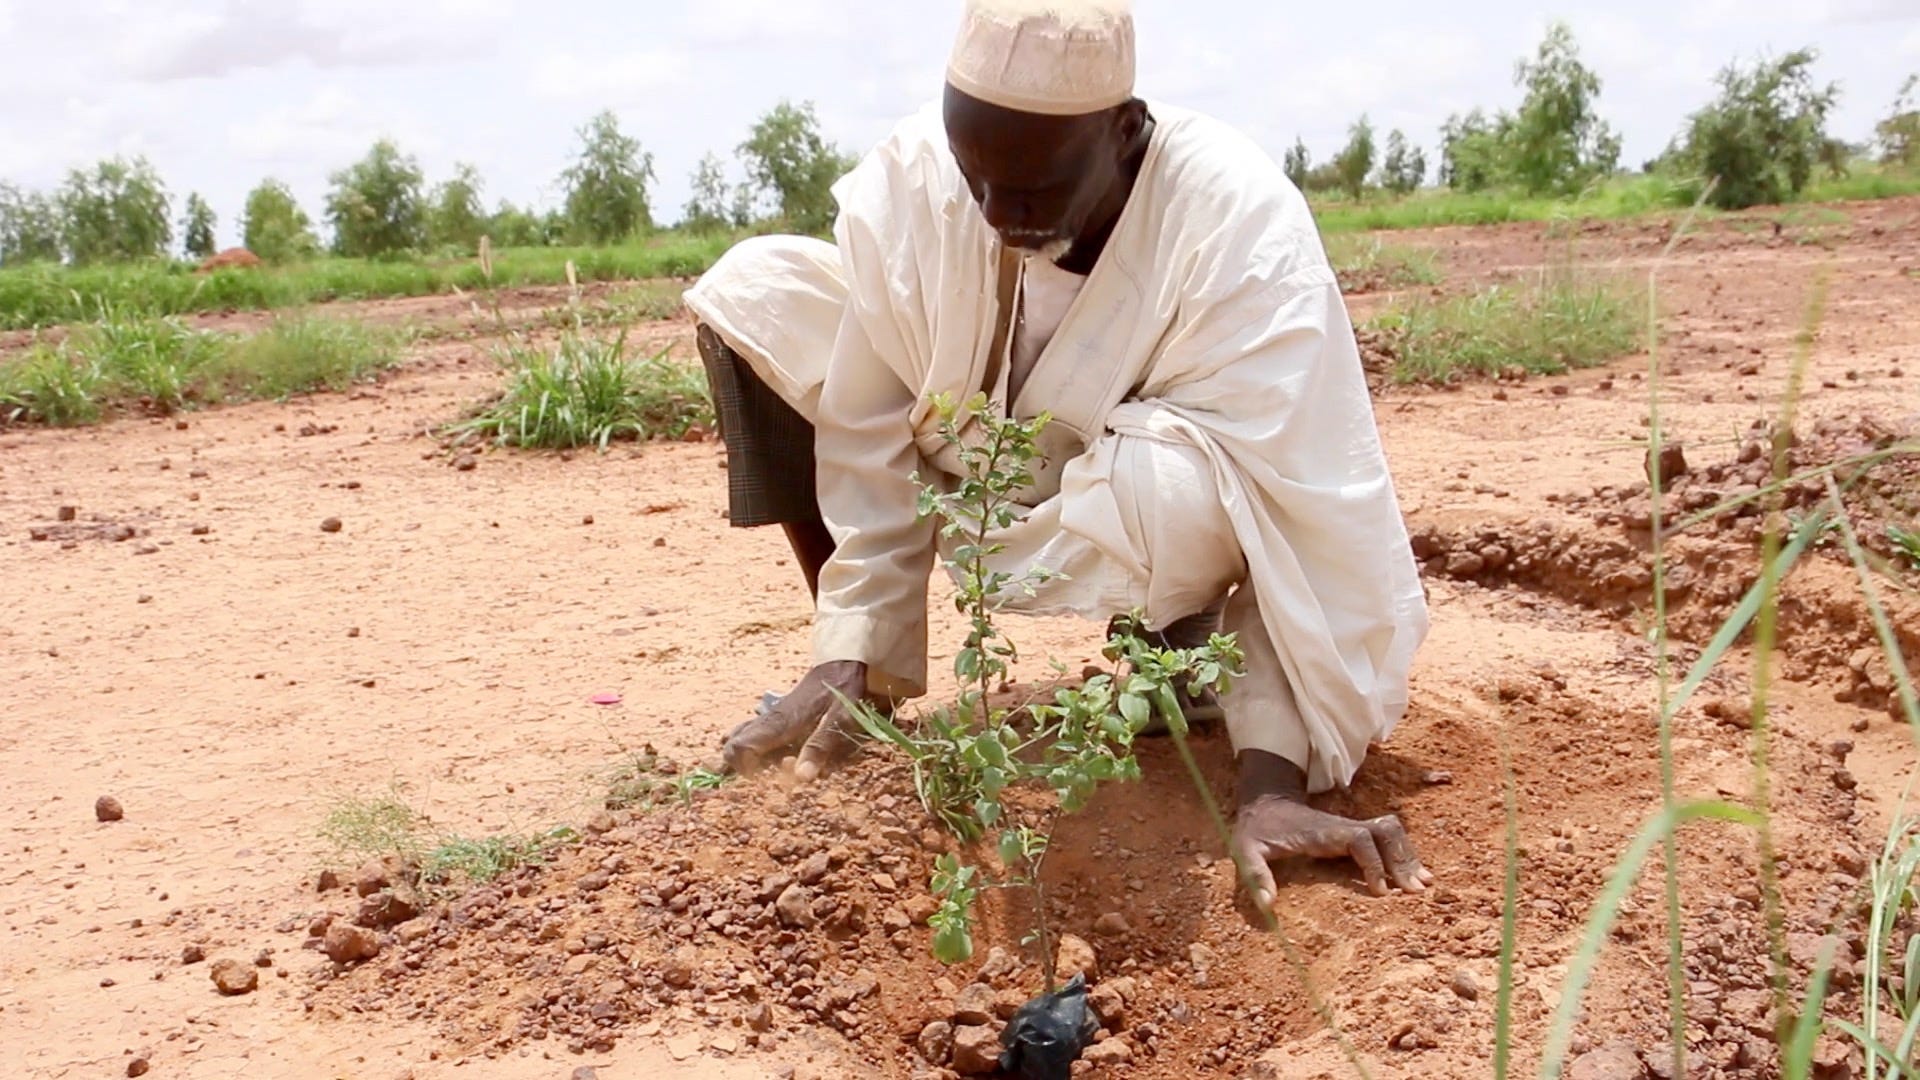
(1212, 426)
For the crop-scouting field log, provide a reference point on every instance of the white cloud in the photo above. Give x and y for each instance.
(622, 79)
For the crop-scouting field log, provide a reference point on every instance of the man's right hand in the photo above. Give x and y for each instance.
(810, 717)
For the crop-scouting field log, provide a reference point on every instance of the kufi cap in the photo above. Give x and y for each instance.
(1055, 57)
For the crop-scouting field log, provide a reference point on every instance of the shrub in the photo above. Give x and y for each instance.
(1759, 141)
(376, 206)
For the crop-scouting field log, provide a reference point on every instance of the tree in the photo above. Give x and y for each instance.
(1556, 143)
(1761, 138)
(607, 184)
(1355, 160)
(1404, 168)
(273, 226)
(376, 206)
(1298, 163)
(117, 211)
(510, 226)
(787, 158)
(1899, 134)
(455, 218)
(1471, 150)
(29, 227)
(196, 227)
(707, 211)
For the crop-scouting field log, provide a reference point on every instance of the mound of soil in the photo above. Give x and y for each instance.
(237, 258)
(791, 922)
(1599, 554)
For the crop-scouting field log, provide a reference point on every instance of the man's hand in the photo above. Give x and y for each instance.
(1275, 822)
(811, 717)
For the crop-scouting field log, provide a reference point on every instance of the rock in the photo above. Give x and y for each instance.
(374, 877)
(192, 954)
(976, 1050)
(1436, 777)
(919, 908)
(974, 1005)
(1673, 462)
(326, 882)
(1466, 984)
(385, 910)
(1109, 1004)
(1112, 924)
(67, 513)
(595, 881)
(233, 977)
(679, 967)
(1465, 564)
(760, 1017)
(601, 823)
(815, 869)
(107, 808)
(935, 1043)
(350, 944)
(138, 1065)
(794, 907)
(1075, 957)
(586, 1072)
(999, 965)
(1109, 1052)
(465, 463)
(330, 525)
(682, 1047)
(1615, 1061)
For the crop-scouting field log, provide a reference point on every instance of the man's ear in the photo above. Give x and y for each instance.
(1130, 120)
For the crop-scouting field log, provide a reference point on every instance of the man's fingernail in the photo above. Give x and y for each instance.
(806, 771)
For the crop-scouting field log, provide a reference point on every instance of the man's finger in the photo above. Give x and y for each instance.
(1367, 854)
(830, 744)
(1403, 866)
(1251, 860)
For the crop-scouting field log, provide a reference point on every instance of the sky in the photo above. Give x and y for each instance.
(218, 94)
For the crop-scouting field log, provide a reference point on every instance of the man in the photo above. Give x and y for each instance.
(1150, 278)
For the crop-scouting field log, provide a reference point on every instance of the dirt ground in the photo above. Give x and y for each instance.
(228, 670)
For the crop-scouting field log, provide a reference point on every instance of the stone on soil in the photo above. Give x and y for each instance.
(1615, 1061)
(936, 1042)
(795, 906)
(1109, 1004)
(234, 977)
(1112, 924)
(139, 1066)
(1110, 1052)
(974, 1005)
(1075, 957)
(107, 808)
(976, 1050)
(192, 954)
(350, 944)
(678, 968)
(1466, 984)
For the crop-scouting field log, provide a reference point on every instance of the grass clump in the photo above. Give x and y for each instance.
(1369, 264)
(1545, 326)
(159, 365)
(430, 861)
(643, 781)
(589, 391)
(303, 354)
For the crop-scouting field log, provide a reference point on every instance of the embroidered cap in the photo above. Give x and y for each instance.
(1055, 57)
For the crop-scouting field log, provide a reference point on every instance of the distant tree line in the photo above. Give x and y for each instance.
(382, 205)
(1762, 139)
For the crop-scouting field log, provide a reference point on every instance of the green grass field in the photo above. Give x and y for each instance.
(43, 295)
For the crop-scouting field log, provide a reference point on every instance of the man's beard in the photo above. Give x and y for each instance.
(1052, 250)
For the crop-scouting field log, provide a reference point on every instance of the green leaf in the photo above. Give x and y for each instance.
(966, 665)
(953, 943)
(1136, 711)
(1010, 847)
(988, 811)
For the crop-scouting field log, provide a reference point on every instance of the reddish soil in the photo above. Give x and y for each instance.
(229, 684)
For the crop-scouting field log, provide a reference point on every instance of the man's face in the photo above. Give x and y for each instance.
(1039, 180)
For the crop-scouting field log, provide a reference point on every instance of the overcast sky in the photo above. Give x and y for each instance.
(220, 93)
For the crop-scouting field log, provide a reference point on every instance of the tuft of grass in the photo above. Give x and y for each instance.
(50, 386)
(477, 861)
(588, 391)
(436, 862)
(301, 354)
(158, 361)
(1369, 264)
(641, 781)
(1907, 543)
(1545, 326)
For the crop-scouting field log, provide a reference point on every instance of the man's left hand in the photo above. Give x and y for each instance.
(1275, 822)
